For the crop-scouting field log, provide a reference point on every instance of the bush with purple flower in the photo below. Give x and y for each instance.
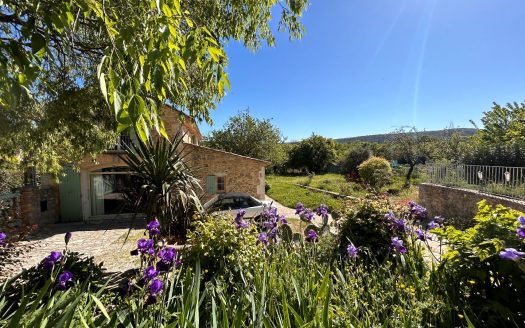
(3, 239)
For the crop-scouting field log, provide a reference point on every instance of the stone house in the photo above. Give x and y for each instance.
(95, 192)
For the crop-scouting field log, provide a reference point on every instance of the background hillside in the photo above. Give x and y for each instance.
(384, 137)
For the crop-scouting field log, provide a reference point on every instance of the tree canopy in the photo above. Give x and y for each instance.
(313, 153)
(249, 136)
(136, 54)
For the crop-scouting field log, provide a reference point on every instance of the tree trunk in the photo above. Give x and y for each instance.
(409, 175)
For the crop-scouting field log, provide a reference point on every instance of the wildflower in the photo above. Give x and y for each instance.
(521, 220)
(150, 273)
(145, 246)
(67, 237)
(521, 232)
(352, 251)
(421, 235)
(322, 211)
(398, 245)
(168, 258)
(3, 238)
(433, 225)
(155, 287)
(411, 204)
(511, 254)
(273, 234)
(311, 236)
(418, 211)
(300, 208)
(153, 227)
(400, 225)
(64, 279)
(262, 239)
(239, 221)
(390, 217)
(283, 220)
(49, 261)
(307, 215)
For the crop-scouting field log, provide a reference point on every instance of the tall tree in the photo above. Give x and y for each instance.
(141, 54)
(249, 136)
(313, 153)
(410, 147)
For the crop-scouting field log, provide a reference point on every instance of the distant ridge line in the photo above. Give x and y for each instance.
(380, 138)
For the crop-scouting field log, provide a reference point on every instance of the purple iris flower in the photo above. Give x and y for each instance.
(521, 220)
(49, 261)
(283, 220)
(273, 234)
(511, 254)
(411, 204)
(145, 246)
(352, 251)
(262, 239)
(152, 299)
(242, 224)
(307, 215)
(153, 227)
(418, 211)
(3, 238)
(168, 258)
(322, 211)
(150, 273)
(521, 232)
(398, 245)
(433, 225)
(240, 214)
(67, 237)
(64, 279)
(400, 225)
(390, 217)
(311, 236)
(421, 235)
(300, 208)
(155, 287)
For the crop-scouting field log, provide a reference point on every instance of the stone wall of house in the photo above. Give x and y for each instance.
(459, 203)
(39, 205)
(241, 174)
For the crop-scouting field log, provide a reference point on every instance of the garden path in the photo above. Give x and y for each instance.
(104, 240)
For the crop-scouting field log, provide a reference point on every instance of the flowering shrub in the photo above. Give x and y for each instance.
(376, 172)
(484, 269)
(226, 248)
(371, 224)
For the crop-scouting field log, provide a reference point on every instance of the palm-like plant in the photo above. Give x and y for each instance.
(167, 189)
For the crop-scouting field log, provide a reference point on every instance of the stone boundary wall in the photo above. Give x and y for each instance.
(452, 202)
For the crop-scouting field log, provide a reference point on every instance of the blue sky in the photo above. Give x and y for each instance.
(366, 67)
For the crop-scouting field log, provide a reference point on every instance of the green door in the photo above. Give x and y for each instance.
(70, 203)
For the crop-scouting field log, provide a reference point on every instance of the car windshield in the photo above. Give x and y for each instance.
(234, 203)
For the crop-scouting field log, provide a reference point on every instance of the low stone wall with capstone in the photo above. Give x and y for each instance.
(451, 202)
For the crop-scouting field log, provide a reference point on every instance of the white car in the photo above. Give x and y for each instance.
(231, 202)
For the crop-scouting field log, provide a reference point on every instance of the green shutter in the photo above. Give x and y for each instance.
(211, 184)
(69, 188)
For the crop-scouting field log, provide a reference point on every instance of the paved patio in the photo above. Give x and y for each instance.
(107, 241)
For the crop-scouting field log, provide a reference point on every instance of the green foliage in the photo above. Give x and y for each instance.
(363, 224)
(223, 250)
(249, 136)
(166, 188)
(146, 53)
(313, 154)
(410, 147)
(291, 289)
(376, 172)
(354, 158)
(31, 281)
(472, 275)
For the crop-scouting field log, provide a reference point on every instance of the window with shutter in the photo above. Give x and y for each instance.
(211, 184)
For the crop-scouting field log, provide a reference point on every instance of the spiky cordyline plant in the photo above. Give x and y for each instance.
(168, 188)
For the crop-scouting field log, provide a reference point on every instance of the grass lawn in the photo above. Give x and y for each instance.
(284, 190)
